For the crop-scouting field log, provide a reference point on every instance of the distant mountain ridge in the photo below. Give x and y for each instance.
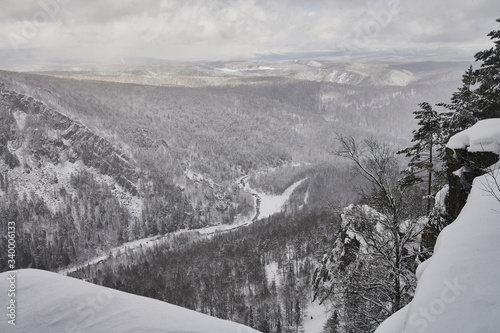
(241, 72)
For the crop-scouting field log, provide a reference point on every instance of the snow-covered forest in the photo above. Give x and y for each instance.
(283, 196)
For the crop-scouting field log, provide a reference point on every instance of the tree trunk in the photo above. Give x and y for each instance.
(429, 184)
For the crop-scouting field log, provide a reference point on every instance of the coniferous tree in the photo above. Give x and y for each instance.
(332, 324)
(424, 150)
(463, 108)
(479, 96)
(298, 315)
(488, 79)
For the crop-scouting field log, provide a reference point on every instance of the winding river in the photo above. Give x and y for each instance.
(265, 206)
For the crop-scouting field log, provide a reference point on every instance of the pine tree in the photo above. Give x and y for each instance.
(423, 153)
(332, 324)
(488, 78)
(250, 322)
(479, 96)
(278, 326)
(298, 315)
(463, 108)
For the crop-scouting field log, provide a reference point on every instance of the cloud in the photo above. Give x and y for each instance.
(221, 29)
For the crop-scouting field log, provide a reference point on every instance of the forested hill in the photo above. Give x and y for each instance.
(258, 276)
(88, 164)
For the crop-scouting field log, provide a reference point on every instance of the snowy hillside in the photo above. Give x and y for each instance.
(459, 286)
(48, 302)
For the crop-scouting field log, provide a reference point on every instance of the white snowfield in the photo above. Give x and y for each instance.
(482, 136)
(458, 288)
(48, 303)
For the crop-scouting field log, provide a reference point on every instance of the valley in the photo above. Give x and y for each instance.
(199, 179)
(272, 204)
(249, 166)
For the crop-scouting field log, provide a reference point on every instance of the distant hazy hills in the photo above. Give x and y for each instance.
(242, 72)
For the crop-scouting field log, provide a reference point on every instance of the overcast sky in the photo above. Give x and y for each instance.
(95, 30)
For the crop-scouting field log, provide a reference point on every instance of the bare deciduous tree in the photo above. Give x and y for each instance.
(369, 273)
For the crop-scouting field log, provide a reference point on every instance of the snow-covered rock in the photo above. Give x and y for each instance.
(470, 154)
(459, 286)
(484, 136)
(49, 302)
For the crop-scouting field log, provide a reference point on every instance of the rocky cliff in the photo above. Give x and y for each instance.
(468, 155)
(458, 288)
(49, 136)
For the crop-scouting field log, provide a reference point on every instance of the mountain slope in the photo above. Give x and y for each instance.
(48, 302)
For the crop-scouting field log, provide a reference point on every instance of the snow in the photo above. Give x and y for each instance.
(41, 181)
(272, 274)
(271, 204)
(48, 302)
(315, 315)
(353, 212)
(314, 63)
(20, 118)
(246, 69)
(319, 314)
(459, 286)
(482, 136)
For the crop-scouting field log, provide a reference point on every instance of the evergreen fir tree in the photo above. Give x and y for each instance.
(278, 326)
(250, 322)
(488, 78)
(463, 108)
(298, 315)
(332, 324)
(424, 150)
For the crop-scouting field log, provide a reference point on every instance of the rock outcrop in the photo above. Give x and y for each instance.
(462, 167)
(458, 288)
(468, 155)
(57, 137)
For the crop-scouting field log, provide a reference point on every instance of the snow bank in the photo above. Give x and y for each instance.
(459, 286)
(483, 136)
(271, 203)
(49, 302)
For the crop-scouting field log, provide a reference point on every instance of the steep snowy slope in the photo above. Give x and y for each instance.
(459, 286)
(48, 302)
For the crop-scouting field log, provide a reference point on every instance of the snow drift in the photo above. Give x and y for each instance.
(482, 136)
(49, 302)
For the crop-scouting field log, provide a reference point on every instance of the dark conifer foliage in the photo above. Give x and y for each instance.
(226, 275)
(424, 152)
(477, 99)
(488, 79)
